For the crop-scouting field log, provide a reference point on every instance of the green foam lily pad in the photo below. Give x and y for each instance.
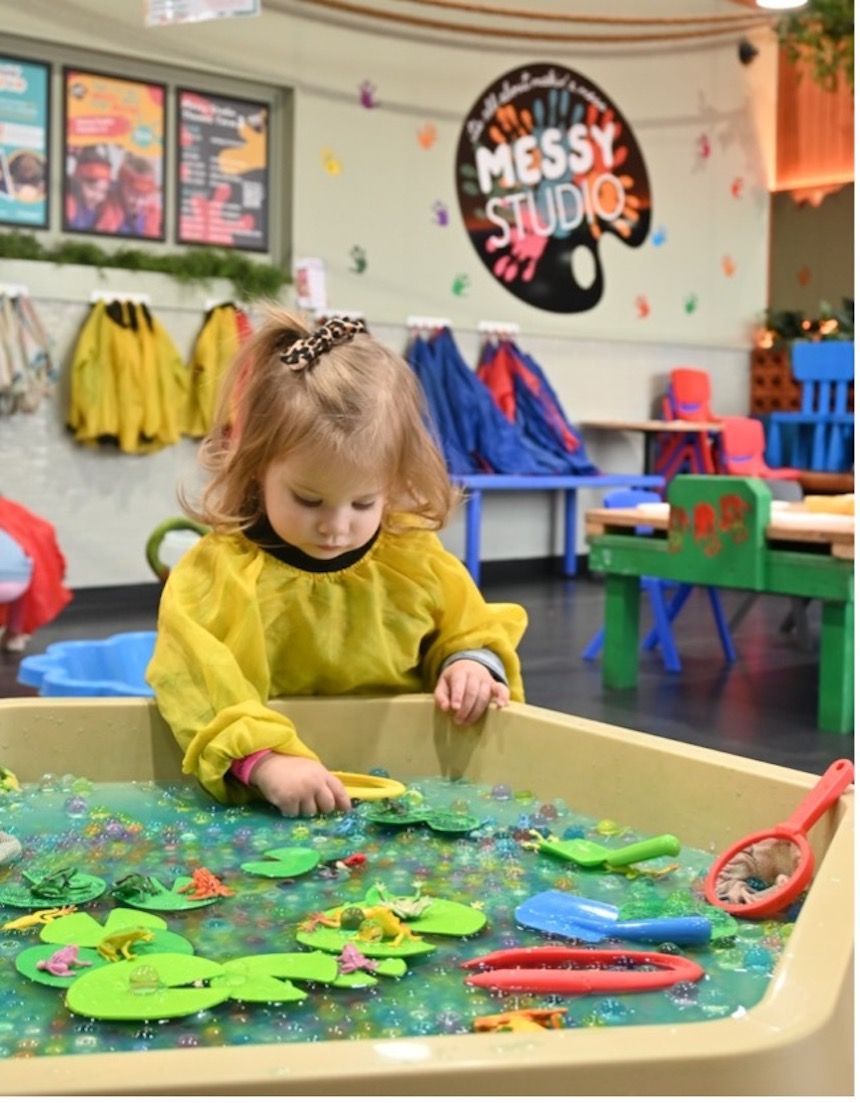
(383, 818)
(394, 967)
(82, 930)
(333, 940)
(260, 988)
(452, 823)
(27, 965)
(81, 889)
(357, 979)
(131, 990)
(445, 917)
(445, 823)
(164, 899)
(318, 967)
(286, 861)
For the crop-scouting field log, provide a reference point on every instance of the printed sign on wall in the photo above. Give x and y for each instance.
(546, 165)
(23, 142)
(113, 179)
(223, 190)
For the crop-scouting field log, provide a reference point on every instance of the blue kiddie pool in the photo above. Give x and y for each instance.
(113, 667)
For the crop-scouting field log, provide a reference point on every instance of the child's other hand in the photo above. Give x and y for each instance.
(466, 688)
(299, 786)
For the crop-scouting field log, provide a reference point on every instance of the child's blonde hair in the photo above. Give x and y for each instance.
(359, 402)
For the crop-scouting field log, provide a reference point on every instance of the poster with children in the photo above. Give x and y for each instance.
(223, 171)
(24, 118)
(113, 162)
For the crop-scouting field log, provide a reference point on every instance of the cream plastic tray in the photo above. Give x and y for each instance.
(796, 1041)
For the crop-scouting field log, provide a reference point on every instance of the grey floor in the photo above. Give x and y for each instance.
(761, 707)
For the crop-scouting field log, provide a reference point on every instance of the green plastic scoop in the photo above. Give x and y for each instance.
(590, 854)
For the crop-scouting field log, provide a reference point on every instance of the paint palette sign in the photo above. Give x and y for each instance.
(546, 165)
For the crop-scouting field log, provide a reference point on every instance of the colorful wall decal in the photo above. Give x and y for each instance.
(367, 94)
(358, 255)
(547, 164)
(643, 307)
(113, 159)
(804, 275)
(460, 286)
(24, 144)
(691, 303)
(737, 188)
(441, 215)
(427, 136)
(659, 236)
(222, 171)
(729, 266)
(330, 162)
(703, 147)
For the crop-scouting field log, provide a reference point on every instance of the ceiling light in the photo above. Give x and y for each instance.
(780, 5)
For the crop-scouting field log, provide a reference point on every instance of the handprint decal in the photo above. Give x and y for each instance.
(546, 167)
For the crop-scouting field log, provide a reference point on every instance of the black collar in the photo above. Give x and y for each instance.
(264, 536)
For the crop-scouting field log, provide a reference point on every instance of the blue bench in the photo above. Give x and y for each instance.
(476, 485)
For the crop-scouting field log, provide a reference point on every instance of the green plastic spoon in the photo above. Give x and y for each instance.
(589, 854)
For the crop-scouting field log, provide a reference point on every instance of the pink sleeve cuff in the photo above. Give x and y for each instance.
(242, 767)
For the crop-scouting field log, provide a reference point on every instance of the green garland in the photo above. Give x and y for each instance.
(795, 325)
(251, 279)
(822, 33)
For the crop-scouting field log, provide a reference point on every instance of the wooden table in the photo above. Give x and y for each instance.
(721, 531)
(651, 427)
(813, 482)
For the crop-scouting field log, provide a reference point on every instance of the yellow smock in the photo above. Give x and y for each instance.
(237, 627)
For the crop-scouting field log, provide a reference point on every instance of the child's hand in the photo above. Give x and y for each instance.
(299, 786)
(466, 688)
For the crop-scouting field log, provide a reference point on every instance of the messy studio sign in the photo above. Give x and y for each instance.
(546, 165)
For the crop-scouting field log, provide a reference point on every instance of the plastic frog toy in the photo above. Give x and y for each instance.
(119, 945)
(404, 907)
(204, 884)
(54, 885)
(135, 884)
(8, 782)
(371, 924)
(60, 962)
(35, 919)
(523, 1019)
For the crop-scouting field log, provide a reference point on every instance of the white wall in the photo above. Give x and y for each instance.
(604, 363)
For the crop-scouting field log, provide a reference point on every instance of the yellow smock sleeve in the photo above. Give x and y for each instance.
(465, 621)
(210, 670)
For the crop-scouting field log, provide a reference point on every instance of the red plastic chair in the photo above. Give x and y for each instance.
(742, 451)
(688, 399)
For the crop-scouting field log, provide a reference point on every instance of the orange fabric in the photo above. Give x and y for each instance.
(46, 596)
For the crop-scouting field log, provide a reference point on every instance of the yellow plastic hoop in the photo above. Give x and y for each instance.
(370, 787)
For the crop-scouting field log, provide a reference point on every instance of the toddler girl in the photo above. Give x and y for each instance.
(323, 574)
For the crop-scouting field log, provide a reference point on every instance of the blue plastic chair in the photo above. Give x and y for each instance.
(817, 436)
(656, 589)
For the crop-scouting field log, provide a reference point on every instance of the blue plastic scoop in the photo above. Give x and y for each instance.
(571, 916)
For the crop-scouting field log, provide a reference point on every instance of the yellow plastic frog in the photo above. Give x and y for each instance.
(372, 924)
(117, 946)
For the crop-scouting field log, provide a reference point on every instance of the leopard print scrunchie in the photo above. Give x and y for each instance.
(303, 354)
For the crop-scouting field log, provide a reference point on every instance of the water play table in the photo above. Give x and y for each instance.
(796, 1040)
(722, 531)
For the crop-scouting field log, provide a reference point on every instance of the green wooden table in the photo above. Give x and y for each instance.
(718, 531)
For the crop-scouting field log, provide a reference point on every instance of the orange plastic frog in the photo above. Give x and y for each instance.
(204, 884)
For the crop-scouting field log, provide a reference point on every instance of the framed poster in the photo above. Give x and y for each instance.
(222, 166)
(113, 155)
(25, 117)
